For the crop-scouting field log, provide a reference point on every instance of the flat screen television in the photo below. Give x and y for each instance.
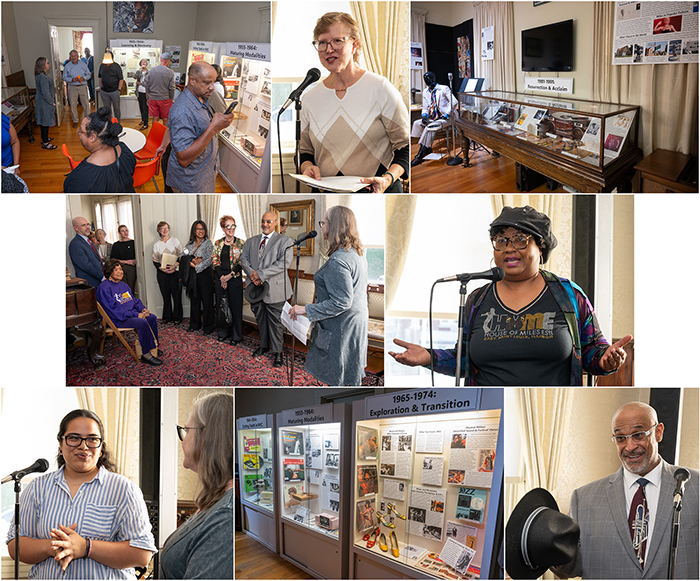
(549, 48)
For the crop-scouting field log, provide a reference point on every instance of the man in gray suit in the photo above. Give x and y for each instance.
(265, 258)
(602, 509)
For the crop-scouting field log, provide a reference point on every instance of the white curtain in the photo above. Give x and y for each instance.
(252, 207)
(418, 35)
(499, 72)
(667, 93)
(209, 211)
(118, 408)
(109, 221)
(559, 209)
(126, 216)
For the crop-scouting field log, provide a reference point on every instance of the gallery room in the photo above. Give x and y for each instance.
(196, 269)
(147, 469)
(575, 96)
(96, 81)
(369, 483)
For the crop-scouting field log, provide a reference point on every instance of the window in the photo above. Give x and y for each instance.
(369, 211)
(30, 433)
(111, 213)
(228, 205)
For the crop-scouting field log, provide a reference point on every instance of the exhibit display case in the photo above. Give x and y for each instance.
(427, 481)
(128, 58)
(313, 467)
(256, 469)
(587, 145)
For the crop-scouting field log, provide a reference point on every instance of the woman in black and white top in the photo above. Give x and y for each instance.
(168, 275)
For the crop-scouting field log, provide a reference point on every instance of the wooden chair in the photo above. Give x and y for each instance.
(109, 326)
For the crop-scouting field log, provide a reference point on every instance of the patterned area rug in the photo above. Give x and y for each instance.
(191, 359)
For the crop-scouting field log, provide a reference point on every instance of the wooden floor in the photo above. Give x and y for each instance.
(44, 170)
(255, 561)
(487, 175)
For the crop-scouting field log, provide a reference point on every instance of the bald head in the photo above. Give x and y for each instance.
(199, 69)
(81, 225)
(637, 409)
(268, 223)
(639, 455)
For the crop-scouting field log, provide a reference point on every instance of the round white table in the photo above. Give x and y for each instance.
(133, 139)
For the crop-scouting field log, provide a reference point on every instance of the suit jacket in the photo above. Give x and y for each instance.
(86, 263)
(274, 264)
(605, 547)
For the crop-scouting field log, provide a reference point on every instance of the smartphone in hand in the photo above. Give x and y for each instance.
(231, 107)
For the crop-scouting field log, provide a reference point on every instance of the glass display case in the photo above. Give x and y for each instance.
(256, 473)
(426, 484)
(592, 136)
(313, 469)
(128, 58)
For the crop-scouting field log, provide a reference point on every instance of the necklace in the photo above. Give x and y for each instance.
(341, 90)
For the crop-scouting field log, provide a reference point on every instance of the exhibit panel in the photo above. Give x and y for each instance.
(128, 53)
(313, 468)
(594, 143)
(427, 484)
(248, 82)
(256, 453)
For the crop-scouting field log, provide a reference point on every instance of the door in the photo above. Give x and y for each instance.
(56, 74)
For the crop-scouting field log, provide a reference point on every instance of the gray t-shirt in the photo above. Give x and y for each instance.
(202, 548)
(189, 118)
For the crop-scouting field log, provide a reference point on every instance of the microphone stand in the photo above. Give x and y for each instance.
(294, 302)
(297, 152)
(18, 489)
(453, 160)
(460, 327)
(675, 530)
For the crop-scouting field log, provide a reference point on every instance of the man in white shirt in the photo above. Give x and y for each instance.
(438, 103)
(626, 518)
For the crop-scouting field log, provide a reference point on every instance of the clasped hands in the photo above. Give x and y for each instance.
(67, 545)
(144, 314)
(254, 277)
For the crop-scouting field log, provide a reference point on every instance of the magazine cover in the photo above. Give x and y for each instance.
(367, 483)
(251, 445)
(367, 443)
(292, 443)
(293, 470)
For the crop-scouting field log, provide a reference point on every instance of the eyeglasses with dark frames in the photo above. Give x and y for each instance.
(519, 241)
(620, 440)
(182, 431)
(74, 441)
(336, 43)
(321, 223)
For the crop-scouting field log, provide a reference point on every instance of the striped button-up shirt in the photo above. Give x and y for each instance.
(108, 508)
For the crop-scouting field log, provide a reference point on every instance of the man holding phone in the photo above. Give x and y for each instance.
(194, 161)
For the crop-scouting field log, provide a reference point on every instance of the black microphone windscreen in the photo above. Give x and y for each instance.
(315, 74)
(498, 273)
(682, 473)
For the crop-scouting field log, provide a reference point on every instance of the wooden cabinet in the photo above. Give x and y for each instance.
(19, 107)
(665, 171)
(586, 145)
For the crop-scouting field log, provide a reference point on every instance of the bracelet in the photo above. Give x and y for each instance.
(88, 548)
(393, 179)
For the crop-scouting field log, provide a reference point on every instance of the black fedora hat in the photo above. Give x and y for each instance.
(254, 293)
(538, 536)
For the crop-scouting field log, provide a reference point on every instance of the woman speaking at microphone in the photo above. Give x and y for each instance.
(83, 521)
(354, 122)
(338, 349)
(202, 548)
(531, 328)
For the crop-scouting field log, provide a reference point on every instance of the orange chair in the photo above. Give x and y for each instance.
(153, 141)
(73, 164)
(115, 120)
(147, 171)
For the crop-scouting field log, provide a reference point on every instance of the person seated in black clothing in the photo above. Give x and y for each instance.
(110, 165)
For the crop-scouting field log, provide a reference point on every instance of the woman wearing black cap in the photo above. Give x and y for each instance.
(531, 328)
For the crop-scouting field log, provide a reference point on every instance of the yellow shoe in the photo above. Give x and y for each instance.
(382, 543)
(394, 544)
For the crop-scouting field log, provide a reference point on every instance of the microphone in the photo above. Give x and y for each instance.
(312, 76)
(40, 465)
(299, 240)
(682, 476)
(495, 274)
(449, 76)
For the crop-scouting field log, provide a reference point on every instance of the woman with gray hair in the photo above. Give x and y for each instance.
(202, 547)
(44, 102)
(338, 349)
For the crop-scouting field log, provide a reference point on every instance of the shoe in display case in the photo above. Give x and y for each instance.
(587, 145)
(256, 474)
(427, 483)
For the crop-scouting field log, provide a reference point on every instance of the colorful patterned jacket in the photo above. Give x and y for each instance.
(235, 260)
(589, 343)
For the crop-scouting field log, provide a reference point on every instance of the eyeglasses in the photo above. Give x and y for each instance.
(336, 43)
(182, 431)
(636, 437)
(519, 241)
(230, 227)
(73, 440)
(321, 223)
(267, 221)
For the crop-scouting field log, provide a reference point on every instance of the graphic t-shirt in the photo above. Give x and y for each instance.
(530, 347)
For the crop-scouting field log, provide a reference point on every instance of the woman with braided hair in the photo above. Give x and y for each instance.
(110, 165)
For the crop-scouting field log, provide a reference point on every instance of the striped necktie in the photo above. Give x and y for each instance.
(261, 250)
(639, 521)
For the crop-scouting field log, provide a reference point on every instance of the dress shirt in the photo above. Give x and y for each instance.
(73, 70)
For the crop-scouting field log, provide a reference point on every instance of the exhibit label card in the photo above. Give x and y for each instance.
(432, 470)
(252, 422)
(473, 453)
(320, 414)
(314, 453)
(422, 401)
(301, 515)
(457, 555)
(462, 533)
(429, 441)
(426, 512)
(396, 453)
(258, 51)
(394, 489)
(330, 492)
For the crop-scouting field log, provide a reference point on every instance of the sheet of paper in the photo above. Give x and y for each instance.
(298, 328)
(332, 183)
